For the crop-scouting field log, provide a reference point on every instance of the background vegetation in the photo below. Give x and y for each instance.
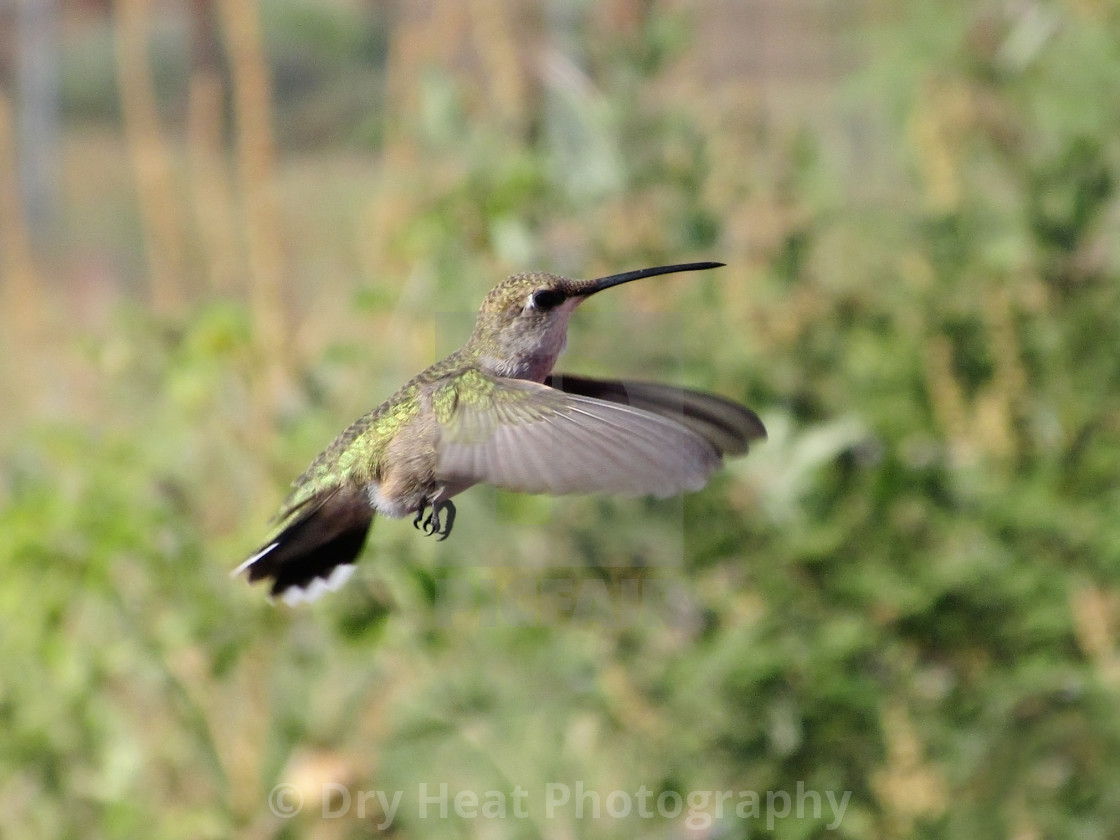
(266, 218)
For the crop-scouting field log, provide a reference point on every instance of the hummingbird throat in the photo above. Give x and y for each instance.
(525, 355)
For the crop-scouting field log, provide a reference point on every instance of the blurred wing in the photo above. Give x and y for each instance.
(527, 437)
(728, 426)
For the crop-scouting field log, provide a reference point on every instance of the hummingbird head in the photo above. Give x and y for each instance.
(523, 323)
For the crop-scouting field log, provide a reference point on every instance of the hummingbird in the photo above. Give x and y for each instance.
(493, 412)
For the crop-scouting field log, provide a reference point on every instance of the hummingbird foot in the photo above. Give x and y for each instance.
(420, 516)
(434, 523)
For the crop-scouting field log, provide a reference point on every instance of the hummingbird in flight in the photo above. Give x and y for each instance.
(493, 412)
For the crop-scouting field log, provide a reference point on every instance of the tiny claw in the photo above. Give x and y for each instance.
(435, 524)
(431, 524)
(450, 508)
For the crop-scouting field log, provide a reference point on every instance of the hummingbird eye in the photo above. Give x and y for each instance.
(546, 299)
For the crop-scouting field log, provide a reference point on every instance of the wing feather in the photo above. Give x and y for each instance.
(527, 437)
(725, 424)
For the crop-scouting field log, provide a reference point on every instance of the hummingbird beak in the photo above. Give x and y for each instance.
(586, 288)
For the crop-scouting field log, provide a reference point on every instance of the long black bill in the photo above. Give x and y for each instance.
(590, 287)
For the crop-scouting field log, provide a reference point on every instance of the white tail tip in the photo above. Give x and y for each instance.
(295, 595)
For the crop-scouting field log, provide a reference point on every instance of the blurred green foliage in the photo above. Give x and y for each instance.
(910, 593)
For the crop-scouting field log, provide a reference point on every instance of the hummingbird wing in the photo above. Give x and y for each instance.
(524, 436)
(728, 426)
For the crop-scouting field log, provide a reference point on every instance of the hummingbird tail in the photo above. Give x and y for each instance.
(316, 551)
